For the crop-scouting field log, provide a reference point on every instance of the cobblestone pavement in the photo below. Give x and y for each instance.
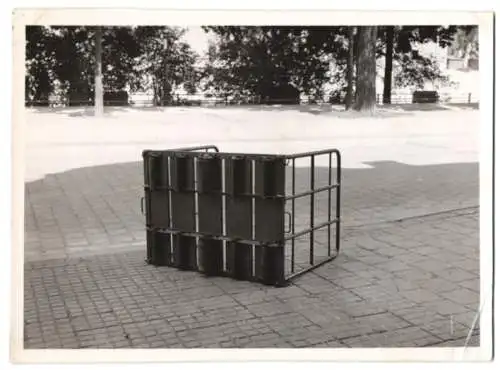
(397, 282)
(96, 209)
(393, 285)
(407, 274)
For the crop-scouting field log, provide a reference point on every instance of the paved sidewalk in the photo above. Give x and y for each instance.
(407, 275)
(392, 286)
(96, 209)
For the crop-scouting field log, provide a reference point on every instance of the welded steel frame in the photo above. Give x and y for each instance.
(313, 190)
(266, 262)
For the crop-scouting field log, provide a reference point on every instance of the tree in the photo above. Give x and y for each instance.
(400, 44)
(366, 69)
(389, 41)
(74, 67)
(90, 64)
(40, 60)
(66, 54)
(166, 60)
(272, 63)
(350, 69)
(465, 44)
(267, 63)
(120, 50)
(99, 92)
(414, 70)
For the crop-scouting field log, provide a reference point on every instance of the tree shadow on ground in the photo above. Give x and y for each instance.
(425, 107)
(381, 111)
(326, 110)
(108, 197)
(89, 111)
(384, 181)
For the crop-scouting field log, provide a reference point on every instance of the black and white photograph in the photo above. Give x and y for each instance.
(233, 183)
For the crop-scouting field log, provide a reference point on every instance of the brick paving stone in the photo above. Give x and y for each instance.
(455, 275)
(396, 285)
(323, 313)
(364, 325)
(436, 285)
(408, 283)
(354, 281)
(446, 329)
(268, 308)
(460, 343)
(405, 337)
(447, 307)
(466, 318)
(329, 344)
(314, 311)
(461, 296)
(420, 295)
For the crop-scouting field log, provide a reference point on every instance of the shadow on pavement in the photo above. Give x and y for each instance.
(382, 111)
(88, 111)
(393, 287)
(93, 209)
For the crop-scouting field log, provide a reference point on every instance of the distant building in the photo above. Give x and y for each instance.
(463, 74)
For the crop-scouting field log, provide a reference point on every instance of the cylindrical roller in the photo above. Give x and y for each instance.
(239, 260)
(182, 174)
(211, 257)
(184, 252)
(209, 175)
(158, 248)
(161, 254)
(239, 179)
(269, 264)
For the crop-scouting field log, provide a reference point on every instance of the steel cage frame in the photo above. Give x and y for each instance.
(280, 278)
(311, 193)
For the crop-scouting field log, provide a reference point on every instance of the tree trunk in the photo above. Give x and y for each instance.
(350, 68)
(366, 69)
(467, 52)
(389, 51)
(99, 91)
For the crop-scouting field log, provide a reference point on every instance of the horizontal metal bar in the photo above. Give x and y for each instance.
(315, 153)
(184, 150)
(246, 241)
(309, 192)
(195, 148)
(267, 156)
(250, 195)
(255, 156)
(304, 232)
(307, 269)
(158, 188)
(192, 190)
(271, 244)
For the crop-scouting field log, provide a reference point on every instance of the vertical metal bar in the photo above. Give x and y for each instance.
(224, 214)
(166, 183)
(253, 214)
(196, 197)
(293, 216)
(311, 221)
(329, 202)
(170, 222)
(337, 212)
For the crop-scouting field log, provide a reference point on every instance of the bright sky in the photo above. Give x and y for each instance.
(198, 39)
